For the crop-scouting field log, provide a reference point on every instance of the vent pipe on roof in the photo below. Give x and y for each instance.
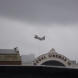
(16, 49)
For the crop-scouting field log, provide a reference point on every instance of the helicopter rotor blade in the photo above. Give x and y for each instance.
(46, 36)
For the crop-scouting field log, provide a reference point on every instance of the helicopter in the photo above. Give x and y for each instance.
(39, 38)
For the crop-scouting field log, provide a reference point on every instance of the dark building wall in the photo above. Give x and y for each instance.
(53, 63)
(37, 72)
(10, 62)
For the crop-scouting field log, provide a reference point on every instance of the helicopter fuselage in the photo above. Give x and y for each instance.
(39, 38)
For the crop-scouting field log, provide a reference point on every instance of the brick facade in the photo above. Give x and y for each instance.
(10, 57)
(10, 62)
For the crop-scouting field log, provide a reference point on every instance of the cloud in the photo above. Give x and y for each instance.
(64, 38)
(41, 11)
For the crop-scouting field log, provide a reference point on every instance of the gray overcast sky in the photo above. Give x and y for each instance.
(41, 11)
(57, 19)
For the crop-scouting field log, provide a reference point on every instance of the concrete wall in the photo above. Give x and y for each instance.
(10, 57)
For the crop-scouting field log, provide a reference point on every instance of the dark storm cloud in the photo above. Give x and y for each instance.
(41, 11)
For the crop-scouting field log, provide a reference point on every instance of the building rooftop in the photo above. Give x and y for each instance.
(52, 51)
(9, 51)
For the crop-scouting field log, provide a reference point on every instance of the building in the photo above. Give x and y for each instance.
(10, 57)
(27, 58)
(52, 58)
